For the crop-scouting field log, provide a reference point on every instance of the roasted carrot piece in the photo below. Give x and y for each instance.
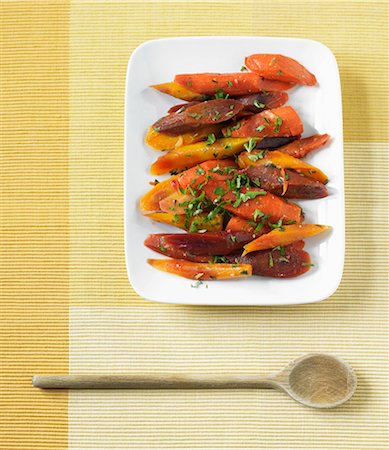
(283, 161)
(282, 121)
(201, 271)
(216, 187)
(190, 155)
(238, 224)
(281, 262)
(230, 83)
(301, 147)
(285, 235)
(163, 141)
(288, 185)
(281, 68)
(200, 222)
(173, 203)
(199, 115)
(150, 201)
(256, 103)
(178, 91)
(176, 220)
(198, 174)
(251, 200)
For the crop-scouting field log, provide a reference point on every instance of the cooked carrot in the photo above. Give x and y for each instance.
(178, 91)
(243, 203)
(285, 235)
(282, 161)
(282, 262)
(249, 200)
(163, 141)
(282, 121)
(198, 116)
(201, 271)
(256, 103)
(199, 222)
(174, 203)
(281, 68)
(150, 201)
(238, 224)
(301, 147)
(176, 220)
(229, 83)
(190, 155)
(197, 175)
(288, 185)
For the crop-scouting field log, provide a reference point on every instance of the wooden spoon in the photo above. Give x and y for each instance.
(318, 380)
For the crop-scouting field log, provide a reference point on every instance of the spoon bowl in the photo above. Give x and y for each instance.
(318, 380)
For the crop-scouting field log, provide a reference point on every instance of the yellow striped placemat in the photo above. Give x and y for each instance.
(66, 301)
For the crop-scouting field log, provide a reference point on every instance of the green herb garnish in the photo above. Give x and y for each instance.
(250, 145)
(278, 124)
(259, 105)
(211, 139)
(271, 263)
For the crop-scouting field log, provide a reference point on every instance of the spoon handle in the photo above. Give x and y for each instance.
(168, 381)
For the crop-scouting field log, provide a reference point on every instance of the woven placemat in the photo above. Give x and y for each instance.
(66, 299)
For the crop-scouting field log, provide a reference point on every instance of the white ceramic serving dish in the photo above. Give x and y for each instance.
(320, 108)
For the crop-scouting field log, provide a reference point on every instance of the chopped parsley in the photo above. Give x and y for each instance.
(250, 145)
(278, 124)
(236, 126)
(163, 249)
(244, 69)
(244, 197)
(197, 284)
(200, 170)
(229, 83)
(211, 139)
(175, 218)
(233, 238)
(220, 94)
(279, 72)
(257, 214)
(260, 128)
(259, 105)
(157, 129)
(271, 263)
(188, 83)
(308, 264)
(256, 156)
(219, 191)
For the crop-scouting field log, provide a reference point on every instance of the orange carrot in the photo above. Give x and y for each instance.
(178, 91)
(199, 222)
(198, 174)
(201, 271)
(244, 204)
(250, 200)
(229, 83)
(190, 155)
(285, 235)
(282, 161)
(301, 147)
(173, 203)
(238, 224)
(162, 141)
(281, 68)
(150, 201)
(282, 121)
